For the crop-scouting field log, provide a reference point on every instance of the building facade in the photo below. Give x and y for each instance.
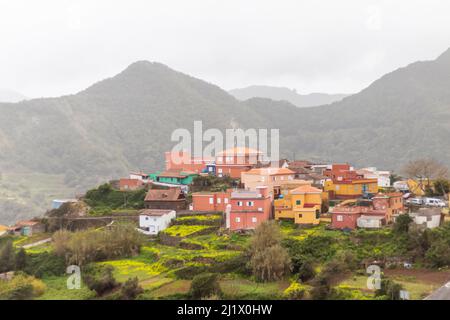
(303, 205)
(152, 221)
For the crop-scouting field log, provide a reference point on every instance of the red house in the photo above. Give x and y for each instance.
(249, 208)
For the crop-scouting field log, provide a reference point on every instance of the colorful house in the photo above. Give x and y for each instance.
(210, 201)
(248, 209)
(346, 183)
(174, 177)
(302, 204)
(374, 213)
(234, 161)
(270, 177)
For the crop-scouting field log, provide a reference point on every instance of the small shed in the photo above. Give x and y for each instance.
(152, 221)
(371, 222)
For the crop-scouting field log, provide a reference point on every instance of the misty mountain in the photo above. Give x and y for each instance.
(286, 94)
(10, 96)
(57, 147)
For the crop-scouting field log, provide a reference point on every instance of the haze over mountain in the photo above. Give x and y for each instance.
(10, 96)
(286, 94)
(56, 147)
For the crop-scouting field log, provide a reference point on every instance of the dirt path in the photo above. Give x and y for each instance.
(37, 243)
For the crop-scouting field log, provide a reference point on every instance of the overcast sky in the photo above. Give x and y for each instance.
(55, 47)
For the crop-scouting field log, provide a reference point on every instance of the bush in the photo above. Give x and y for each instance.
(130, 289)
(402, 223)
(294, 292)
(306, 271)
(204, 286)
(95, 245)
(45, 264)
(389, 289)
(100, 279)
(21, 287)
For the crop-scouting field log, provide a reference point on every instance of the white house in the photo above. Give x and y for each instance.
(383, 177)
(426, 217)
(139, 176)
(152, 221)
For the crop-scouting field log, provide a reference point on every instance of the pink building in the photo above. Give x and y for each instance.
(250, 208)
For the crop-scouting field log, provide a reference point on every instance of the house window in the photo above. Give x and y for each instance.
(250, 203)
(337, 188)
(219, 170)
(229, 159)
(254, 220)
(240, 203)
(219, 200)
(339, 218)
(238, 219)
(225, 200)
(300, 215)
(298, 202)
(146, 218)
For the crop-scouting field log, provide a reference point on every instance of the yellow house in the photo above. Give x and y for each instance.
(302, 204)
(350, 189)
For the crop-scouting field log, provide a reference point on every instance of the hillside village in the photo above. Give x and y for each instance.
(201, 218)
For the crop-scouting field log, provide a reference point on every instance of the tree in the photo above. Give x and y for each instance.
(425, 170)
(394, 178)
(7, 257)
(269, 261)
(21, 260)
(442, 187)
(402, 223)
(205, 285)
(130, 289)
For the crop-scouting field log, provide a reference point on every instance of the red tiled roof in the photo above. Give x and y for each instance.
(310, 205)
(306, 189)
(130, 182)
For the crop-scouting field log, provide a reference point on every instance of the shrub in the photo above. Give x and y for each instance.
(294, 292)
(21, 287)
(402, 223)
(205, 285)
(100, 279)
(95, 245)
(389, 289)
(21, 259)
(130, 289)
(44, 264)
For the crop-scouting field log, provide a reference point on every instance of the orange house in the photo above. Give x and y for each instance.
(234, 161)
(210, 201)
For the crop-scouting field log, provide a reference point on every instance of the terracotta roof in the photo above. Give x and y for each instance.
(172, 194)
(306, 189)
(239, 151)
(310, 205)
(154, 212)
(270, 171)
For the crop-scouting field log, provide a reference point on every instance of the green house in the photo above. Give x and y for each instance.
(174, 177)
